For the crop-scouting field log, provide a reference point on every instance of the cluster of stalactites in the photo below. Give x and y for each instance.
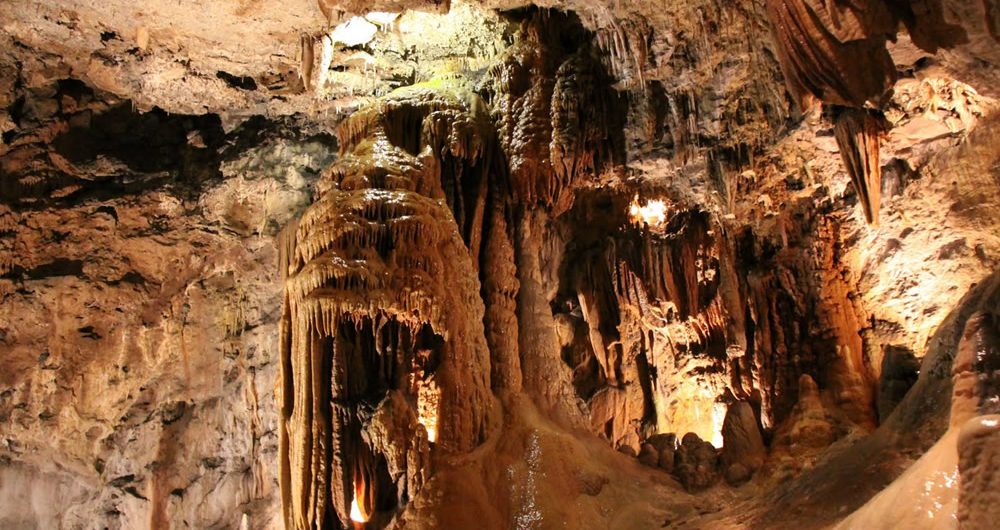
(681, 266)
(363, 252)
(435, 139)
(440, 116)
(658, 328)
(667, 283)
(380, 246)
(557, 117)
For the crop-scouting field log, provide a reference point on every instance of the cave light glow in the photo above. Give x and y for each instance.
(428, 402)
(652, 214)
(356, 515)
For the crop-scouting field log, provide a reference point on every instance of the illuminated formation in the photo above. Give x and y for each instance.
(858, 136)
(652, 214)
(383, 345)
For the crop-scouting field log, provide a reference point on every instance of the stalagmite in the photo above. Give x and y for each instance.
(743, 451)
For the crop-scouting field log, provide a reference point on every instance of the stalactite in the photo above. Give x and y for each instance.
(858, 137)
(833, 50)
(555, 109)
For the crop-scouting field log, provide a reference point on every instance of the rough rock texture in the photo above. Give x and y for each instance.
(857, 133)
(696, 463)
(835, 50)
(138, 315)
(976, 369)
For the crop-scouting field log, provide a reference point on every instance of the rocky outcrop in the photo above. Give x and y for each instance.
(138, 319)
(952, 482)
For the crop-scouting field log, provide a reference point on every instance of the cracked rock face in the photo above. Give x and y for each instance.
(420, 265)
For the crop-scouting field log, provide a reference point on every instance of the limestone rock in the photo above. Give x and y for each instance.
(737, 474)
(663, 441)
(834, 51)
(471, 268)
(976, 369)
(665, 445)
(857, 133)
(810, 426)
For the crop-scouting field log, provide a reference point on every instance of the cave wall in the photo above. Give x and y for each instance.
(140, 311)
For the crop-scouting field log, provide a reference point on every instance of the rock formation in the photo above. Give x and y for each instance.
(696, 463)
(383, 348)
(977, 452)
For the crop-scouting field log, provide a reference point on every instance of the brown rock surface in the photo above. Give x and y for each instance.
(138, 318)
(835, 50)
(978, 462)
